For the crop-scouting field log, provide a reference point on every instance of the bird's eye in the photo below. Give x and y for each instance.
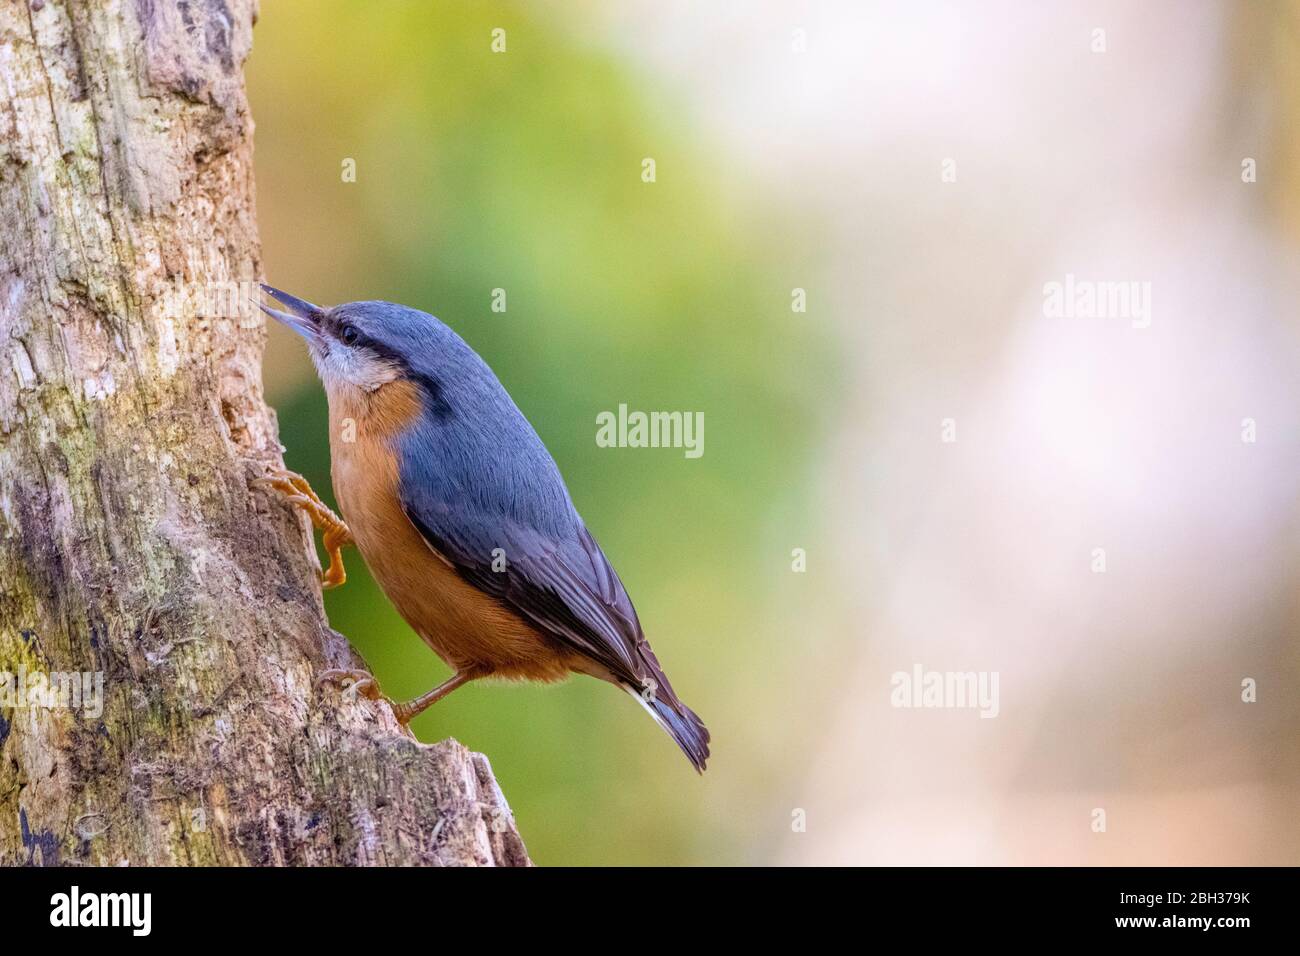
(349, 335)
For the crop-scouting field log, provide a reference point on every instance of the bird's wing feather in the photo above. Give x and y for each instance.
(559, 579)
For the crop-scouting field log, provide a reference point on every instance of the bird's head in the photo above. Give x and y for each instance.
(367, 345)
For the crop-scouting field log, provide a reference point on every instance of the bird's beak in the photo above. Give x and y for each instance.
(303, 317)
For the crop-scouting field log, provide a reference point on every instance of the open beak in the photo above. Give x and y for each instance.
(303, 317)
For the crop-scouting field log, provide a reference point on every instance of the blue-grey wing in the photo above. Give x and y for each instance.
(554, 574)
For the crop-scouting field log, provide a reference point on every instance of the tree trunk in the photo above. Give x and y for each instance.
(132, 548)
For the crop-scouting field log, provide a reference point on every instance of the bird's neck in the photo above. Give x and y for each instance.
(359, 415)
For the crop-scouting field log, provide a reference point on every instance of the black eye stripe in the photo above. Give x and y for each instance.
(353, 337)
(344, 331)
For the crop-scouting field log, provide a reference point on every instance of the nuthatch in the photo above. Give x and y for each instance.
(462, 516)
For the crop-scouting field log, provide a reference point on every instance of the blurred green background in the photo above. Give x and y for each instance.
(522, 170)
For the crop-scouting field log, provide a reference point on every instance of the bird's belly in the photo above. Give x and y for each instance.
(465, 627)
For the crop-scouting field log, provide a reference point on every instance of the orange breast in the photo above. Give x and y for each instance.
(465, 627)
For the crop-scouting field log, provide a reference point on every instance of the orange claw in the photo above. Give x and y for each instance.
(298, 492)
(353, 681)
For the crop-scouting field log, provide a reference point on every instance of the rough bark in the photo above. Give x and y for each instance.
(131, 543)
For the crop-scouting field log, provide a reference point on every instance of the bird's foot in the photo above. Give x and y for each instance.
(354, 682)
(358, 683)
(363, 683)
(298, 492)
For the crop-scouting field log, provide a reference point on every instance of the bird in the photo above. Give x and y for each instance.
(462, 516)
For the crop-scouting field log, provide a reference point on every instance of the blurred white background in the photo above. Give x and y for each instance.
(1119, 690)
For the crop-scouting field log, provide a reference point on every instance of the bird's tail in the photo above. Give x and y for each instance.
(678, 720)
